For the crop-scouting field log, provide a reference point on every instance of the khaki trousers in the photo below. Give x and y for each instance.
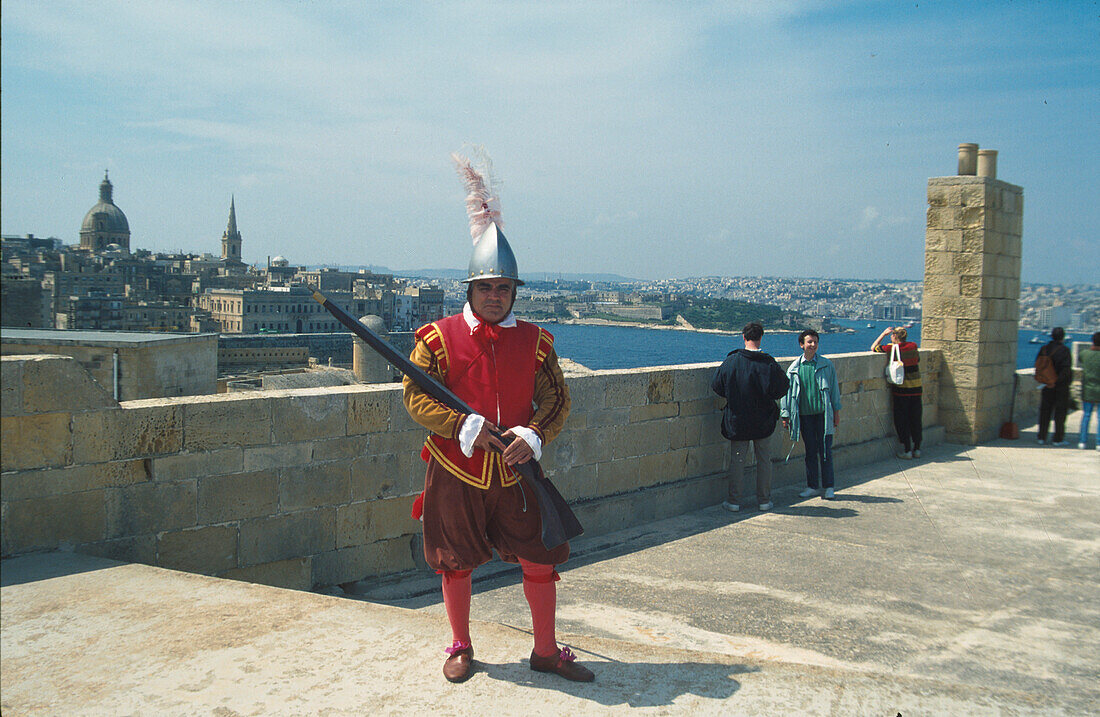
(739, 451)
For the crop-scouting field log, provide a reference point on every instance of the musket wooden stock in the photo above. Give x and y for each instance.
(559, 524)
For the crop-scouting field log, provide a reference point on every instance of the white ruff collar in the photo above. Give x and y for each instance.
(472, 321)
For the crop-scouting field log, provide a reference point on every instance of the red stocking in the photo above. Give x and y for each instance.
(541, 594)
(456, 598)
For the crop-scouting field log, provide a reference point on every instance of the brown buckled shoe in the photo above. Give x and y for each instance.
(564, 664)
(460, 663)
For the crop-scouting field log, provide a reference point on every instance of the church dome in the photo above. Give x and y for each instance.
(105, 224)
(105, 216)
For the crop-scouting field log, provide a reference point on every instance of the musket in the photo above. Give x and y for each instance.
(559, 524)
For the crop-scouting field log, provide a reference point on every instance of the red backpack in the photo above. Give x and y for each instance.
(1044, 369)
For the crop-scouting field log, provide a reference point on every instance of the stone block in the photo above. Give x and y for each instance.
(150, 508)
(974, 241)
(237, 497)
(625, 389)
(685, 432)
(701, 406)
(353, 523)
(369, 412)
(53, 521)
(314, 486)
(11, 386)
(279, 537)
(939, 262)
(347, 565)
(293, 574)
(943, 239)
(975, 218)
(973, 195)
(576, 483)
(640, 439)
(693, 384)
(653, 411)
(391, 518)
(969, 264)
(211, 425)
(282, 455)
(586, 393)
(307, 416)
(59, 383)
(381, 476)
(43, 440)
(617, 476)
(660, 388)
(945, 217)
(608, 417)
(112, 434)
(972, 286)
(138, 549)
(25, 485)
(941, 285)
(185, 466)
(340, 449)
(398, 442)
(208, 550)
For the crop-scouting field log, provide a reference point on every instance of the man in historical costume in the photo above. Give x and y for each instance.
(474, 500)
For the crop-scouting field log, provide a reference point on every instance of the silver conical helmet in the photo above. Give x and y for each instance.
(492, 258)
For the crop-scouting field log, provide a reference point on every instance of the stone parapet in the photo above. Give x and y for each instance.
(314, 486)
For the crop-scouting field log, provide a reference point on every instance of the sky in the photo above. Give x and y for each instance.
(650, 140)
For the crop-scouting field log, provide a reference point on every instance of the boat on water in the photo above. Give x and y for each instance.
(1035, 340)
(870, 326)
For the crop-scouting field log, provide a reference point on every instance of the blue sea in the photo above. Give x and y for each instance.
(607, 347)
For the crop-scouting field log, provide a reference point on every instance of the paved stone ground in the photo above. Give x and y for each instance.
(967, 582)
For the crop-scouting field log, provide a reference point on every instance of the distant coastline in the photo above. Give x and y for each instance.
(642, 325)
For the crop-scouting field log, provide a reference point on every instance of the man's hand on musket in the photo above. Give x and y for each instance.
(487, 438)
(518, 450)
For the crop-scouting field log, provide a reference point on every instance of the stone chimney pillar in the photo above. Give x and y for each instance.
(971, 302)
(367, 364)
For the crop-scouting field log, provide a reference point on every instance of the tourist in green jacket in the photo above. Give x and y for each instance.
(1090, 391)
(811, 409)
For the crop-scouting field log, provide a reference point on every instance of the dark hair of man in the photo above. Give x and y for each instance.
(752, 331)
(1058, 334)
(1096, 339)
(808, 332)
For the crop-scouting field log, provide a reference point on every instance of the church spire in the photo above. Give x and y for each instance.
(231, 230)
(231, 240)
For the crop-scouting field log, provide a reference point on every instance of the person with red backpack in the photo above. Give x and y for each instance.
(1054, 369)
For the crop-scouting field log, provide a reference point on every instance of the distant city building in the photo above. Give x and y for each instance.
(105, 224)
(1055, 316)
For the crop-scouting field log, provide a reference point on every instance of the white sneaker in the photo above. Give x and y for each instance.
(766, 506)
(1059, 444)
(808, 493)
(1041, 442)
(1082, 445)
(829, 494)
(916, 453)
(904, 455)
(731, 507)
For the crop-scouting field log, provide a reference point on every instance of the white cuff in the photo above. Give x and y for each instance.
(531, 438)
(471, 427)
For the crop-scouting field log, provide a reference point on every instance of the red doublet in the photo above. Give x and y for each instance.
(496, 376)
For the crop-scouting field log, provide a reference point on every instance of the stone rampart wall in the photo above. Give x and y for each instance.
(306, 487)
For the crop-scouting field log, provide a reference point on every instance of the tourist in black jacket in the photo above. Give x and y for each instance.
(1055, 399)
(751, 382)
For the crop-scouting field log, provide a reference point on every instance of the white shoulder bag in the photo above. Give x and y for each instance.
(895, 370)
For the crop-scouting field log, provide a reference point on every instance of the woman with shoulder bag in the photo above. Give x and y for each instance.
(908, 413)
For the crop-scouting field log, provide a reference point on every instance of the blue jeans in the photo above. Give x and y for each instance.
(1087, 407)
(819, 451)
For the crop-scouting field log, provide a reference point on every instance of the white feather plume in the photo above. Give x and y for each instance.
(482, 189)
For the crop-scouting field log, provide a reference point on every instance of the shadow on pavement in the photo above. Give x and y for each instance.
(636, 684)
